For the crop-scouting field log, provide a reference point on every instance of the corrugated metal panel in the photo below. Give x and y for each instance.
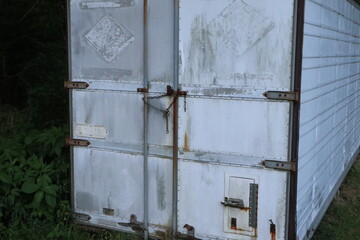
(329, 104)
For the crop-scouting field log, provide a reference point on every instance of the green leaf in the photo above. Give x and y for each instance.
(29, 139)
(38, 197)
(44, 180)
(50, 200)
(29, 187)
(51, 190)
(5, 178)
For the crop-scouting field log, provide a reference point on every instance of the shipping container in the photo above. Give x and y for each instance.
(211, 119)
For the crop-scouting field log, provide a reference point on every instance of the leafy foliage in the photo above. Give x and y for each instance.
(33, 174)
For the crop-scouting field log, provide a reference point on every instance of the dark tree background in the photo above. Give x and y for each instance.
(33, 58)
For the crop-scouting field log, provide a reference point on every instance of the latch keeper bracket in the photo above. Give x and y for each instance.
(285, 166)
(75, 85)
(282, 95)
(77, 142)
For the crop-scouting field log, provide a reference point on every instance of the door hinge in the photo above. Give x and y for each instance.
(75, 85)
(133, 224)
(286, 166)
(189, 235)
(80, 216)
(77, 142)
(282, 95)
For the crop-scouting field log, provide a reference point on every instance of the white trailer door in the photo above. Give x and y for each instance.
(120, 51)
(233, 51)
(127, 145)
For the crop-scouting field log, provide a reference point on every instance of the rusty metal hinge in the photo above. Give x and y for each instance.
(282, 95)
(75, 85)
(143, 90)
(80, 216)
(170, 91)
(286, 166)
(77, 142)
(134, 224)
(189, 235)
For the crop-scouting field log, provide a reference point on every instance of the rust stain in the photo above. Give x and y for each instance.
(238, 229)
(246, 209)
(186, 143)
(273, 236)
(272, 230)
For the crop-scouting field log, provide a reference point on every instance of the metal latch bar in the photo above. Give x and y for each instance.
(286, 166)
(282, 95)
(77, 142)
(233, 202)
(75, 85)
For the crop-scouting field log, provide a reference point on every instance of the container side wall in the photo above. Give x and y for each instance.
(330, 113)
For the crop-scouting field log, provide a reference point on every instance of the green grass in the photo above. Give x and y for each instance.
(342, 220)
(41, 230)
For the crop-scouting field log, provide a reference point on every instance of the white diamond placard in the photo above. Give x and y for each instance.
(109, 38)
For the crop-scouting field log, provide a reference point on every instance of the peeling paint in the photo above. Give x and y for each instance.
(160, 189)
(252, 23)
(186, 143)
(201, 52)
(218, 91)
(224, 40)
(87, 201)
(109, 38)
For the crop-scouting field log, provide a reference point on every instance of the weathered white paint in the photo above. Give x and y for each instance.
(230, 53)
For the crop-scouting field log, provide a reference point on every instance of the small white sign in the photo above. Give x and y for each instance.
(91, 131)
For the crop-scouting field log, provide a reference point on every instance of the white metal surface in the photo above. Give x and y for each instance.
(225, 54)
(231, 52)
(107, 51)
(329, 131)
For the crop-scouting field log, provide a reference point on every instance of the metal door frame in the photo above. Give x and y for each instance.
(299, 11)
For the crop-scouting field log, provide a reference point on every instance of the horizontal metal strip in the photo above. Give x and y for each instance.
(157, 151)
(223, 158)
(334, 11)
(330, 28)
(227, 91)
(337, 56)
(127, 86)
(326, 84)
(330, 38)
(319, 114)
(330, 65)
(316, 146)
